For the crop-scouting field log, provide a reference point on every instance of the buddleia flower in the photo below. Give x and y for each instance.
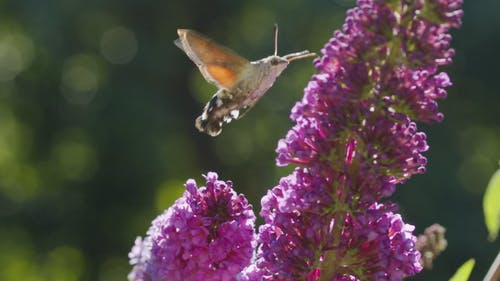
(208, 234)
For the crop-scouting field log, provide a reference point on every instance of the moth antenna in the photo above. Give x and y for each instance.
(275, 39)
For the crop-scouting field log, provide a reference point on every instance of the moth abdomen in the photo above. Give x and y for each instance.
(211, 119)
(219, 109)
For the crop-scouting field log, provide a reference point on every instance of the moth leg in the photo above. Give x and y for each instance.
(244, 111)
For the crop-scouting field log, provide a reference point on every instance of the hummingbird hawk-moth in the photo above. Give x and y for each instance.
(241, 83)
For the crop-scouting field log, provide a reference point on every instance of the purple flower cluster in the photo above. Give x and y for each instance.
(381, 242)
(306, 223)
(354, 139)
(208, 234)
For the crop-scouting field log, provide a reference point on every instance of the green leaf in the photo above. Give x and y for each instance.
(464, 271)
(491, 206)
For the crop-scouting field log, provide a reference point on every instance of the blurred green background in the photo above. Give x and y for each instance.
(97, 108)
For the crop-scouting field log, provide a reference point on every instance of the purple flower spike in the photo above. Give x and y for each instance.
(355, 139)
(208, 234)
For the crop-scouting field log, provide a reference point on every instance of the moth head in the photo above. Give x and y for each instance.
(272, 65)
(276, 61)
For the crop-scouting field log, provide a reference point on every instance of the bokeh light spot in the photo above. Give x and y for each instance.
(64, 264)
(21, 182)
(18, 256)
(81, 78)
(19, 179)
(12, 137)
(10, 60)
(16, 53)
(118, 45)
(73, 157)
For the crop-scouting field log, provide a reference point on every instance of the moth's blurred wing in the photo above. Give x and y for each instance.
(219, 65)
